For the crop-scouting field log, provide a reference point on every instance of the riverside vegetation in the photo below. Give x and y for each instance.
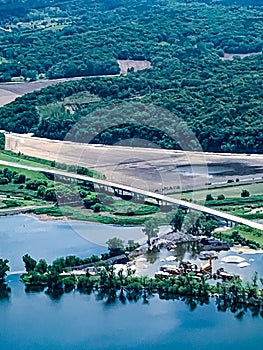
(79, 200)
(111, 287)
(74, 199)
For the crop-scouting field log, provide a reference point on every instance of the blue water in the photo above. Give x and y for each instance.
(21, 234)
(35, 321)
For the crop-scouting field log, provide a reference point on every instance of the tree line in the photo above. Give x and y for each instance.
(219, 100)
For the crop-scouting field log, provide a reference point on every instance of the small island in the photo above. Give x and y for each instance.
(113, 276)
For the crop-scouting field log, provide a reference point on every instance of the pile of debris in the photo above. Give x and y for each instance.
(184, 268)
(169, 240)
(222, 274)
(214, 244)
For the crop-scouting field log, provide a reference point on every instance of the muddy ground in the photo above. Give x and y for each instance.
(150, 169)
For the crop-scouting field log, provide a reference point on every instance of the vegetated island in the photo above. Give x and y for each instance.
(98, 275)
(112, 277)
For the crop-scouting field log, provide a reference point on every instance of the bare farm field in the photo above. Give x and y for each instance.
(10, 91)
(137, 65)
(150, 169)
(231, 56)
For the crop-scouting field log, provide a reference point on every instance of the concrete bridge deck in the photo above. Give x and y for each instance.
(146, 194)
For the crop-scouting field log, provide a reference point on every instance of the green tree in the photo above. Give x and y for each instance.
(115, 246)
(176, 219)
(19, 179)
(245, 193)
(29, 262)
(150, 229)
(220, 197)
(4, 268)
(59, 264)
(41, 266)
(2, 141)
(209, 197)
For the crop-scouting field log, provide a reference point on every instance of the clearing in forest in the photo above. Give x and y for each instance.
(137, 65)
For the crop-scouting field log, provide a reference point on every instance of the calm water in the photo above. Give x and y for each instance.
(36, 321)
(23, 234)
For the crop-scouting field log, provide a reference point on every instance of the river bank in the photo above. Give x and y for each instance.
(105, 326)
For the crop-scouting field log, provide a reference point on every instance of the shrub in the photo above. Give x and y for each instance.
(97, 208)
(221, 197)
(4, 181)
(10, 203)
(209, 197)
(19, 179)
(245, 193)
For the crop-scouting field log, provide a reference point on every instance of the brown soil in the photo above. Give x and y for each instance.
(149, 169)
(137, 65)
(230, 56)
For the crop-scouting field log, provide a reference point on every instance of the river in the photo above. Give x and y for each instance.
(36, 321)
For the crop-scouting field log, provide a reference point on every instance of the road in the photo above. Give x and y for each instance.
(10, 91)
(129, 189)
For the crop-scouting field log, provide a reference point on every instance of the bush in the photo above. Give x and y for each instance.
(97, 208)
(221, 197)
(90, 200)
(209, 197)
(27, 198)
(2, 141)
(33, 185)
(4, 181)
(19, 179)
(10, 203)
(245, 193)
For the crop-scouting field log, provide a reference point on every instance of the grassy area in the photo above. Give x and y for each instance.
(246, 235)
(33, 175)
(121, 207)
(116, 211)
(248, 207)
(22, 159)
(105, 218)
(15, 202)
(9, 156)
(81, 98)
(233, 191)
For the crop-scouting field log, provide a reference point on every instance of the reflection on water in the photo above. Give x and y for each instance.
(74, 321)
(38, 321)
(189, 251)
(5, 291)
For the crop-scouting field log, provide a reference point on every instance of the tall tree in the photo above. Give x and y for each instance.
(115, 246)
(29, 262)
(151, 229)
(4, 268)
(176, 219)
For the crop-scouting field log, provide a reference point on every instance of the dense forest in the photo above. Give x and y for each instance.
(188, 45)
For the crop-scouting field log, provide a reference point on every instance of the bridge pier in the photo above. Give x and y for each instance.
(111, 187)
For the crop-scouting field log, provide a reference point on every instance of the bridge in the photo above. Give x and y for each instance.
(138, 193)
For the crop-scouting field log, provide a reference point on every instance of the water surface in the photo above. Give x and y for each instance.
(35, 321)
